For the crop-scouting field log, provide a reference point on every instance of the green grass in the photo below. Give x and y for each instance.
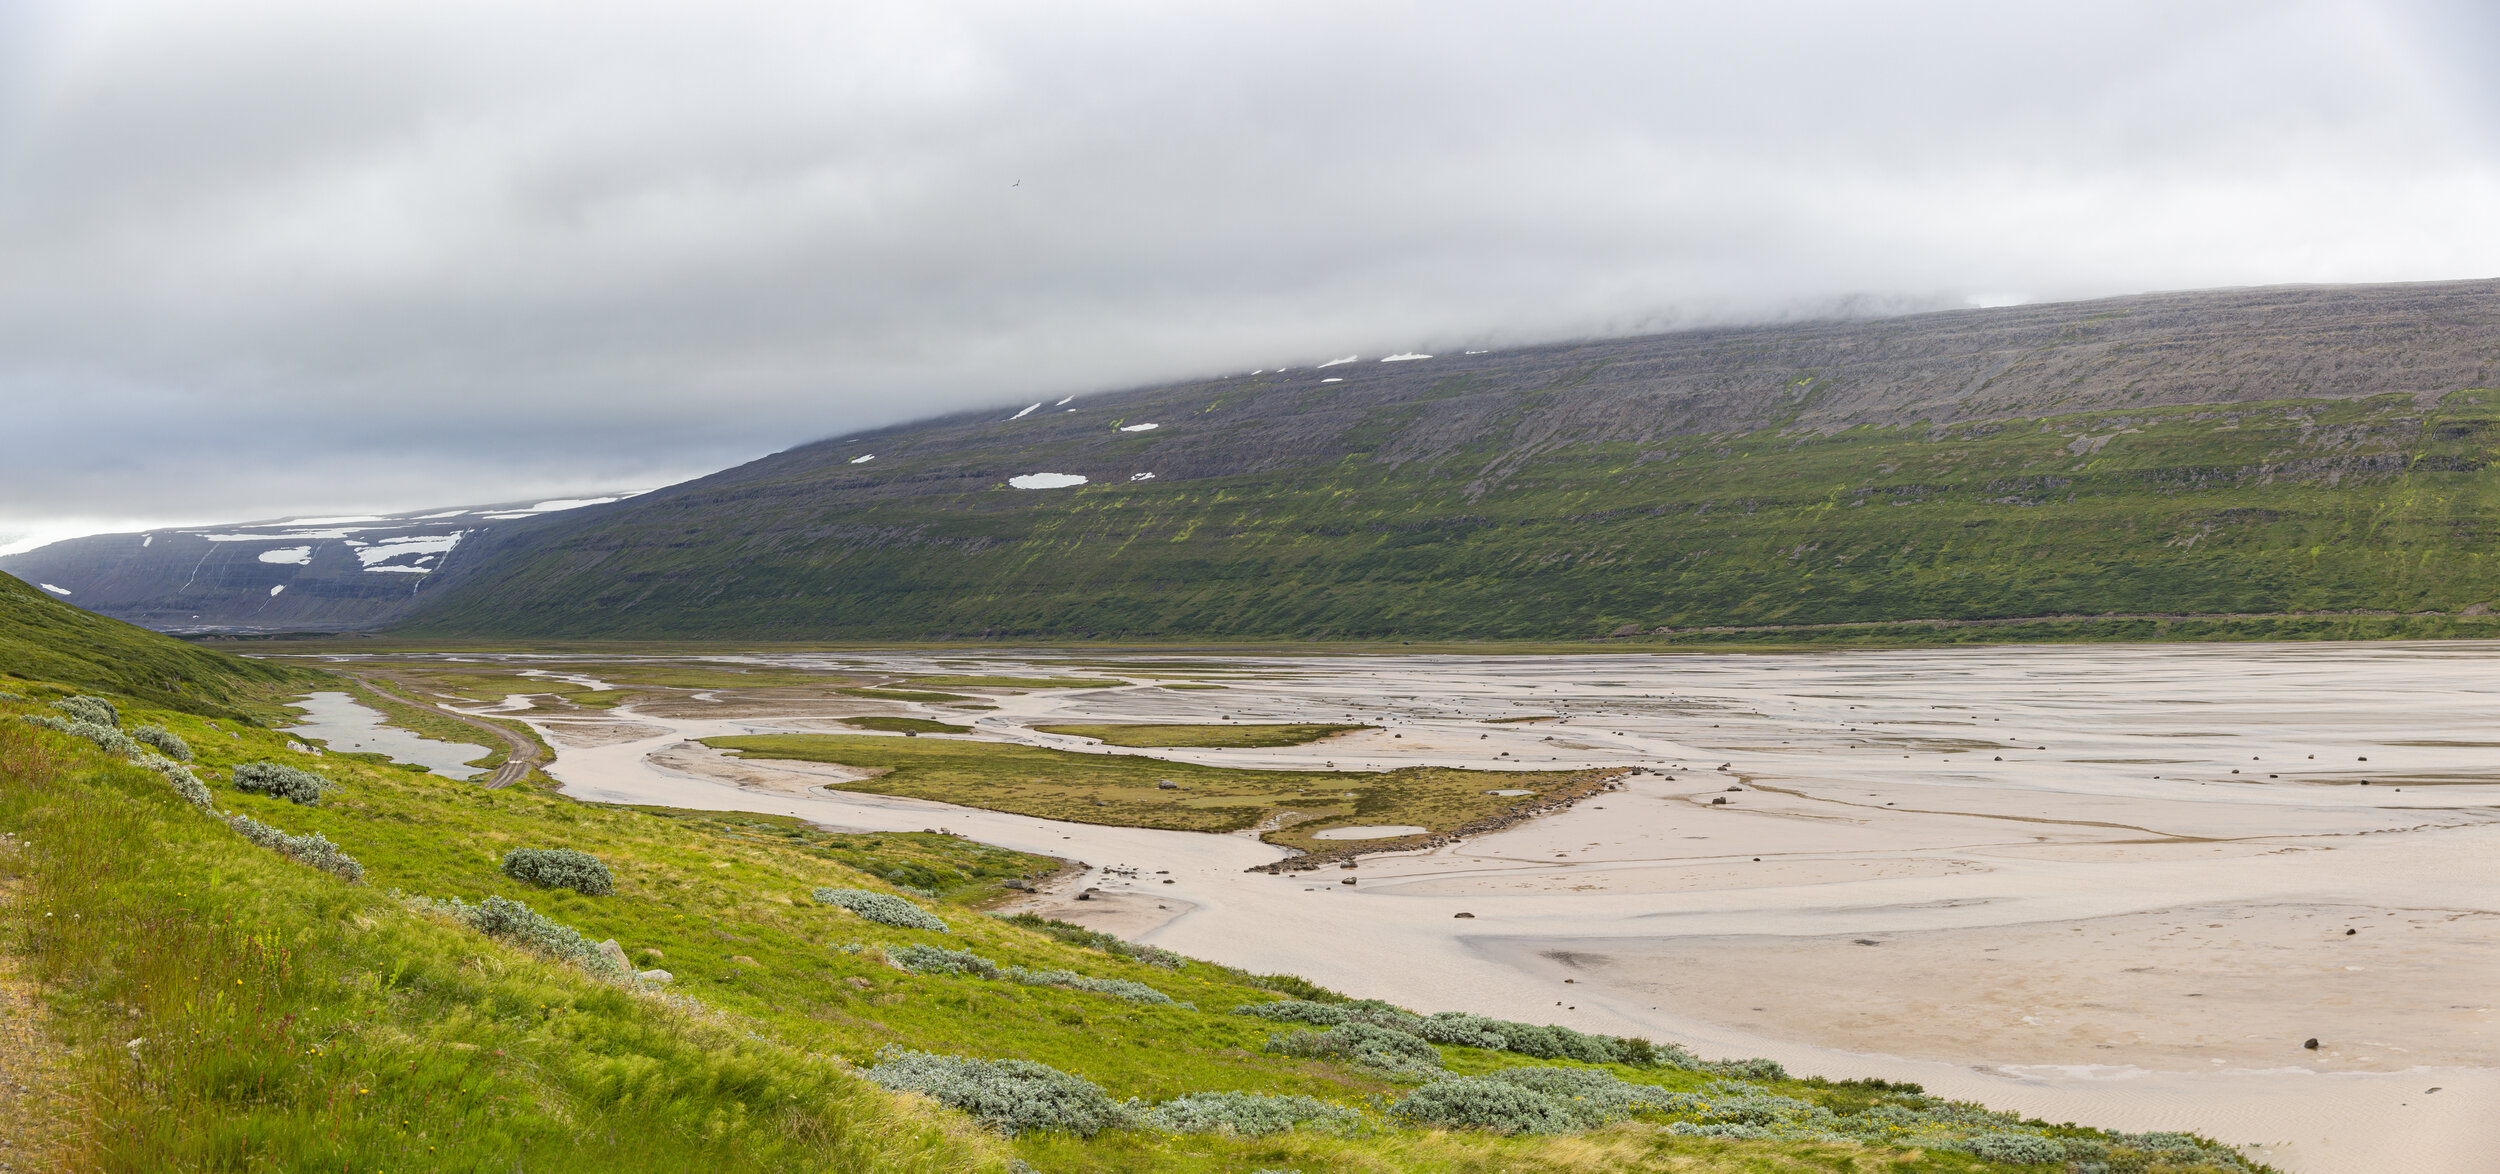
(2291, 512)
(225, 1008)
(1028, 683)
(1505, 721)
(290, 1021)
(904, 725)
(1137, 734)
(42, 639)
(902, 695)
(1122, 789)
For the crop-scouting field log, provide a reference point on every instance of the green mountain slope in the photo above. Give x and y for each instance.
(1718, 480)
(2263, 451)
(42, 639)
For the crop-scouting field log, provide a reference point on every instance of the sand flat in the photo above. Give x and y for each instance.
(2081, 911)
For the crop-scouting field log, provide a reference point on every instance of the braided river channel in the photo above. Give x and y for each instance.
(2124, 885)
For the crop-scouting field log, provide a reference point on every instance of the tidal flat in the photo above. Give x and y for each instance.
(2117, 884)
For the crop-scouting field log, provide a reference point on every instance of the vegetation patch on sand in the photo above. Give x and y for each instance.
(1129, 789)
(1025, 683)
(903, 695)
(904, 725)
(1180, 735)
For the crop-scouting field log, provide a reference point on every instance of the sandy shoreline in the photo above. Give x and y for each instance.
(2079, 911)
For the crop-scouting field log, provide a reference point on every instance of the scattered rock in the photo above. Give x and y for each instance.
(1736, 788)
(656, 976)
(2311, 1043)
(2350, 932)
(1468, 916)
(743, 960)
(859, 982)
(1017, 884)
(1167, 881)
(1868, 942)
(1167, 785)
(1346, 881)
(615, 953)
(1721, 801)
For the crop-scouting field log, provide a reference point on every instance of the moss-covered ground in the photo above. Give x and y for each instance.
(1176, 734)
(1127, 790)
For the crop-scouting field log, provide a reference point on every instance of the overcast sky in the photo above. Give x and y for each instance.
(297, 256)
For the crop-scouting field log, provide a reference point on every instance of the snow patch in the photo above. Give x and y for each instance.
(398, 570)
(55, 590)
(1479, 352)
(863, 458)
(1063, 403)
(1141, 427)
(444, 514)
(280, 587)
(568, 503)
(1333, 379)
(147, 540)
(1047, 480)
(1334, 362)
(391, 548)
(1141, 476)
(329, 521)
(1407, 357)
(292, 555)
(1027, 412)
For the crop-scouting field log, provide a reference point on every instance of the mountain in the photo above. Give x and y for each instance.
(294, 574)
(2257, 451)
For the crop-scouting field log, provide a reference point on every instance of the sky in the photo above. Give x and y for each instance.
(268, 257)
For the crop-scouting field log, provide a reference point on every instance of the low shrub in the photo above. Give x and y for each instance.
(1011, 1096)
(1464, 1030)
(1296, 1011)
(1077, 935)
(559, 868)
(1477, 1102)
(1362, 1043)
(110, 740)
(521, 925)
(315, 849)
(1247, 1114)
(922, 959)
(166, 741)
(180, 778)
(1118, 988)
(882, 908)
(1754, 1069)
(2026, 1149)
(1592, 1097)
(280, 780)
(90, 709)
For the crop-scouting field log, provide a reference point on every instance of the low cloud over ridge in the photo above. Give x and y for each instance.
(279, 255)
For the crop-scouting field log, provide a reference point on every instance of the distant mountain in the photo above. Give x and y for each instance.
(2241, 451)
(293, 574)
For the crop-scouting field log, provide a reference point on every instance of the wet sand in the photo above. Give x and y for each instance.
(2079, 910)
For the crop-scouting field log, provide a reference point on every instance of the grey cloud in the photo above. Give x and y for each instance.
(306, 256)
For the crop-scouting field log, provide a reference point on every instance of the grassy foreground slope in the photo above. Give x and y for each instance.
(228, 1007)
(43, 639)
